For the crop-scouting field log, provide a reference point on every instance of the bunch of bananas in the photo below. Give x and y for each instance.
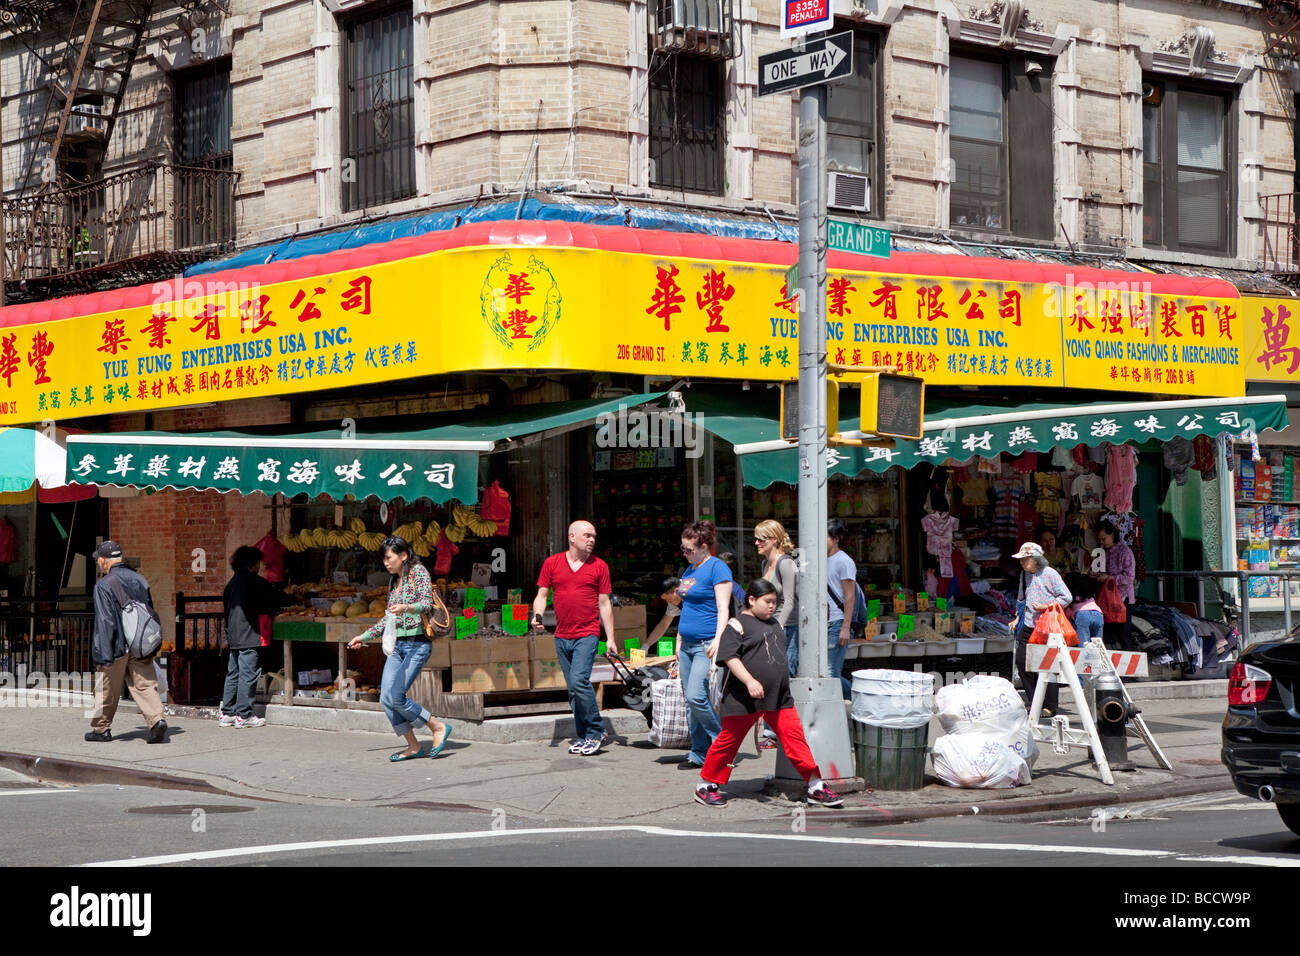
(421, 549)
(357, 525)
(455, 533)
(411, 532)
(432, 533)
(293, 543)
(338, 538)
(370, 540)
(471, 519)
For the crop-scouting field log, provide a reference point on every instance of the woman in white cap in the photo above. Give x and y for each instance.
(1040, 587)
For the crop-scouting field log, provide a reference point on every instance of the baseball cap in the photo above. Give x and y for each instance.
(1029, 550)
(109, 549)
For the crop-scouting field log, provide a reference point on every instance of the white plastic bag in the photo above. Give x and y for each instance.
(668, 726)
(390, 634)
(898, 700)
(978, 761)
(988, 706)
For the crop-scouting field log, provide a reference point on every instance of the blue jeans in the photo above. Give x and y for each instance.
(792, 646)
(401, 669)
(1088, 624)
(835, 652)
(693, 666)
(242, 673)
(576, 658)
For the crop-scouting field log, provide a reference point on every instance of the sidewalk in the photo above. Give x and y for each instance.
(542, 783)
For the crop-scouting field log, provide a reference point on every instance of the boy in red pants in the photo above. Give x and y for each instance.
(757, 685)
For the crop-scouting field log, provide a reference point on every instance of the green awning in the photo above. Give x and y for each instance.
(438, 463)
(964, 432)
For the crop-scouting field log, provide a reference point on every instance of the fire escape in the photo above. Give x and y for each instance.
(72, 227)
(1281, 235)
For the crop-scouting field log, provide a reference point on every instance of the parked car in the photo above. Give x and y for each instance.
(1261, 732)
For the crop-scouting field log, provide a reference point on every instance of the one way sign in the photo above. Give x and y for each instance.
(820, 61)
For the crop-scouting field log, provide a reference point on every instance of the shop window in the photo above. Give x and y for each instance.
(998, 111)
(378, 108)
(1187, 135)
(686, 123)
(853, 130)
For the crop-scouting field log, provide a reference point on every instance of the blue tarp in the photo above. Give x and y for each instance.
(599, 214)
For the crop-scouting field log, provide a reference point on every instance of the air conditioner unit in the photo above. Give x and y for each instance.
(848, 191)
(704, 16)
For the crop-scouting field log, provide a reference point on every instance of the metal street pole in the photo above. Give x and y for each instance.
(817, 696)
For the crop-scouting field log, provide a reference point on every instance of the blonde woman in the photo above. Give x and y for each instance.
(775, 548)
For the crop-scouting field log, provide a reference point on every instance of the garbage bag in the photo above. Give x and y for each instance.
(988, 705)
(978, 761)
(898, 700)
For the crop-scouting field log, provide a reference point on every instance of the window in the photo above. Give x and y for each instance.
(686, 123)
(1186, 158)
(851, 126)
(204, 117)
(378, 109)
(999, 111)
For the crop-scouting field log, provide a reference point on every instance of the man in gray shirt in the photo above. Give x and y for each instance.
(842, 583)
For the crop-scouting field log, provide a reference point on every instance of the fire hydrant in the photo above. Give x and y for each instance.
(1113, 715)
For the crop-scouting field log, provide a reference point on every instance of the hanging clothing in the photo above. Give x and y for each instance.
(1061, 457)
(1026, 463)
(1121, 477)
(939, 528)
(8, 542)
(975, 493)
(1178, 455)
(1088, 492)
(1203, 453)
(1008, 493)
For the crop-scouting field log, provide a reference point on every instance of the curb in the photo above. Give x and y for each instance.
(1013, 807)
(59, 770)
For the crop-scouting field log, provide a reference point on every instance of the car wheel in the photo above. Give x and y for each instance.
(1290, 813)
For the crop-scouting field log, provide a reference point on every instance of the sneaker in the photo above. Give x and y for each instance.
(249, 722)
(576, 748)
(826, 797)
(710, 796)
(104, 738)
(591, 746)
(157, 733)
(766, 743)
(227, 720)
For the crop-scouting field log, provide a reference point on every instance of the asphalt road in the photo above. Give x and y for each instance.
(128, 826)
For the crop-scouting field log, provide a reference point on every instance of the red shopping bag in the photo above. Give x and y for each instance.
(1112, 606)
(495, 506)
(1054, 621)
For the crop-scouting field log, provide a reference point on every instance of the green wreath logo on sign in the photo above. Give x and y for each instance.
(521, 302)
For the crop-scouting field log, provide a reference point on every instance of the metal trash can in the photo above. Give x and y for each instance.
(890, 729)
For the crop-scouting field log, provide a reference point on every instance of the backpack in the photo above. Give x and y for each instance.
(140, 624)
(858, 625)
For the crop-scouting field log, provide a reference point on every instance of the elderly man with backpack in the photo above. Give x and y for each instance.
(127, 636)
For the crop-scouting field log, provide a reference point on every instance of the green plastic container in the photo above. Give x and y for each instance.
(890, 759)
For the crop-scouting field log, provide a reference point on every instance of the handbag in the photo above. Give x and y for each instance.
(390, 633)
(429, 620)
(1054, 621)
(1112, 606)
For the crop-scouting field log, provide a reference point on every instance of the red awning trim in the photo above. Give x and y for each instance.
(615, 239)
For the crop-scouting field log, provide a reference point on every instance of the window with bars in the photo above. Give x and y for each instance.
(1000, 141)
(852, 133)
(1187, 158)
(378, 108)
(686, 123)
(204, 119)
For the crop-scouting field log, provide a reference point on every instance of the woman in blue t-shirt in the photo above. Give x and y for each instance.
(705, 590)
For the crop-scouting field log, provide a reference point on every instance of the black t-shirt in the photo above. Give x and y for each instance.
(760, 646)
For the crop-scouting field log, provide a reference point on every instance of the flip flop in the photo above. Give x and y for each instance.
(402, 755)
(445, 737)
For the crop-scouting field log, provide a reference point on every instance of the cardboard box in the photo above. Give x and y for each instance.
(440, 655)
(624, 634)
(511, 675)
(469, 651)
(508, 649)
(541, 647)
(471, 679)
(546, 674)
(632, 616)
